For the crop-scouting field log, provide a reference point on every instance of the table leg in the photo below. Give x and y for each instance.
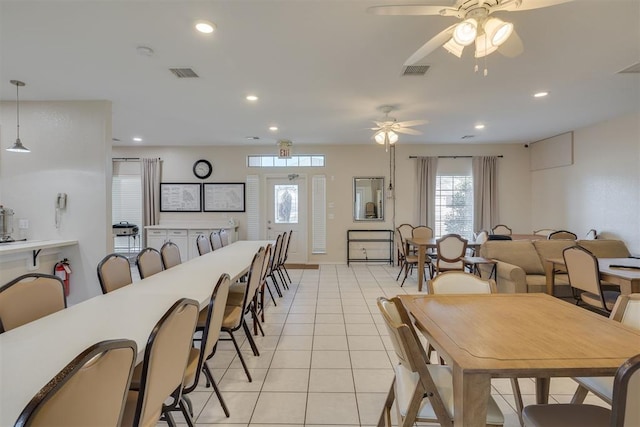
(542, 390)
(471, 394)
(421, 255)
(550, 276)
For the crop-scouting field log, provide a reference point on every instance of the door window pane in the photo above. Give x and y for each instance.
(286, 203)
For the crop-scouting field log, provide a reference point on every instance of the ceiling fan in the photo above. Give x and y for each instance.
(477, 25)
(388, 128)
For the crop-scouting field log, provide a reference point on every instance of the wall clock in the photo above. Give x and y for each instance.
(202, 169)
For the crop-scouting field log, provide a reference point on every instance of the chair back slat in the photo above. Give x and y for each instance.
(90, 390)
(460, 282)
(28, 298)
(170, 255)
(406, 230)
(165, 360)
(216, 241)
(583, 271)
(149, 262)
(203, 244)
(114, 272)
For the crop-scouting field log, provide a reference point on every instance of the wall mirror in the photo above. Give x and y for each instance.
(368, 199)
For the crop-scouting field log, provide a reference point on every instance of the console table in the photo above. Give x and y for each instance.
(380, 242)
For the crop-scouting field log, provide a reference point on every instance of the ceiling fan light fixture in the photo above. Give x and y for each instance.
(379, 137)
(393, 137)
(483, 47)
(454, 48)
(466, 32)
(497, 30)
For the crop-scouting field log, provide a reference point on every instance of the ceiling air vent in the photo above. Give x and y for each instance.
(415, 70)
(634, 69)
(184, 73)
(468, 136)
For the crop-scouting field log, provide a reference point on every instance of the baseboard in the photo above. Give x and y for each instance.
(302, 266)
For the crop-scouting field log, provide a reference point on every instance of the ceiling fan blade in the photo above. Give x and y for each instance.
(529, 4)
(437, 41)
(408, 131)
(413, 9)
(410, 123)
(512, 47)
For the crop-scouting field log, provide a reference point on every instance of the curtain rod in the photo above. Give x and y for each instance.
(126, 159)
(453, 157)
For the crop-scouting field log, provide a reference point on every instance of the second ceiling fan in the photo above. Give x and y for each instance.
(477, 25)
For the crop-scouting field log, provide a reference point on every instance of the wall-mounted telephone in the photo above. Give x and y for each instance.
(61, 204)
(61, 201)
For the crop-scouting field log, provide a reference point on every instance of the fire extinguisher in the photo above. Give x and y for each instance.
(63, 271)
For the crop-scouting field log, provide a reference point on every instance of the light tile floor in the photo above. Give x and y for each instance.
(326, 358)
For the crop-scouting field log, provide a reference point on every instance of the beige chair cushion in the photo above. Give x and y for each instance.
(594, 300)
(232, 316)
(517, 252)
(406, 382)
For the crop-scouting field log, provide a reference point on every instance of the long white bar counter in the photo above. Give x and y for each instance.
(32, 354)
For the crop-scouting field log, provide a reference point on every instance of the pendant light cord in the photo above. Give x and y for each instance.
(18, 110)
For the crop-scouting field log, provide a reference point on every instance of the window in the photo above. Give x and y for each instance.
(126, 203)
(286, 204)
(454, 205)
(268, 161)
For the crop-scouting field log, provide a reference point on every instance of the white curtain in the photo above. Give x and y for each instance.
(427, 172)
(151, 172)
(485, 192)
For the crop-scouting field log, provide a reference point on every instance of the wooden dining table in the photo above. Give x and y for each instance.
(628, 277)
(34, 353)
(422, 245)
(516, 335)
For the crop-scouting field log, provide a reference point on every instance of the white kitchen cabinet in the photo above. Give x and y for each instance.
(180, 238)
(156, 238)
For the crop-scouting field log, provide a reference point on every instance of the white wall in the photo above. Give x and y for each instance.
(600, 190)
(343, 162)
(70, 146)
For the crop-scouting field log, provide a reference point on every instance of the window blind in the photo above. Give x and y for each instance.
(319, 213)
(253, 201)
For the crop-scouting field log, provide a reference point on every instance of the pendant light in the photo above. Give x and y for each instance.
(17, 147)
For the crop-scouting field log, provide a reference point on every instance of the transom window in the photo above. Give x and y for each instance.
(269, 161)
(454, 205)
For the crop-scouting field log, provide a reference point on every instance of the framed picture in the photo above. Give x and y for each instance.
(180, 197)
(224, 197)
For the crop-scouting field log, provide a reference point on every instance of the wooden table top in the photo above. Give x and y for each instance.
(515, 335)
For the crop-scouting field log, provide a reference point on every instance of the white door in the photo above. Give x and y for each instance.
(287, 210)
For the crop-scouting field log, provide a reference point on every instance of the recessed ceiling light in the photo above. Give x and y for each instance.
(205, 27)
(252, 98)
(273, 128)
(137, 139)
(479, 126)
(540, 94)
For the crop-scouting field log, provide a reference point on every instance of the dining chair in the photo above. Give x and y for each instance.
(624, 411)
(149, 262)
(422, 232)
(198, 356)
(216, 241)
(406, 231)
(284, 255)
(170, 253)
(203, 244)
(114, 272)
(584, 278)
(480, 237)
(450, 249)
(409, 260)
(160, 376)
(461, 282)
(273, 264)
(562, 234)
(264, 284)
(224, 237)
(420, 390)
(30, 297)
(90, 391)
(627, 312)
(234, 315)
(501, 229)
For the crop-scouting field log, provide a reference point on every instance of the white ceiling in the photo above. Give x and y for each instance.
(320, 67)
